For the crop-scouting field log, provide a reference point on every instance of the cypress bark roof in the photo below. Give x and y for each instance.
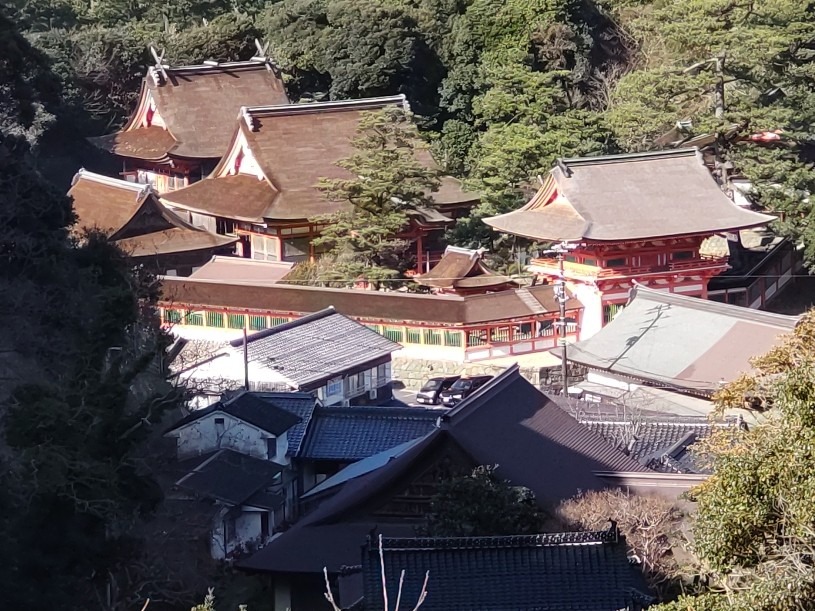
(627, 197)
(133, 217)
(462, 268)
(197, 105)
(293, 147)
(378, 305)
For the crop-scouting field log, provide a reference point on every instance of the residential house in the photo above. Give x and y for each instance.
(631, 218)
(134, 219)
(677, 344)
(237, 454)
(265, 188)
(441, 327)
(338, 436)
(185, 117)
(247, 495)
(587, 571)
(507, 422)
(338, 360)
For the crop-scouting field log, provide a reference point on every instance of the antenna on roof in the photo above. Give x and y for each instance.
(160, 67)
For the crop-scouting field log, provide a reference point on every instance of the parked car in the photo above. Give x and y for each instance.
(462, 388)
(429, 394)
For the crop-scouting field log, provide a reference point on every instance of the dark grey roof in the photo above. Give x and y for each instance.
(507, 422)
(230, 477)
(302, 405)
(317, 346)
(627, 197)
(348, 434)
(271, 412)
(660, 445)
(682, 342)
(560, 571)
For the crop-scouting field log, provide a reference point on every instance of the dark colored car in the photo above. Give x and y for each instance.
(462, 388)
(429, 394)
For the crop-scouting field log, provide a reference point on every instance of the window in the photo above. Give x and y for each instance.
(264, 248)
(616, 262)
(589, 261)
(334, 387)
(219, 426)
(172, 316)
(432, 337)
(195, 318)
(610, 310)
(271, 447)
(477, 338)
(413, 336)
(278, 321)
(296, 249)
(257, 323)
(682, 256)
(452, 338)
(395, 335)
(383, 373)
(215, 319)
(236, 321)
(499, 335)
(224, 226)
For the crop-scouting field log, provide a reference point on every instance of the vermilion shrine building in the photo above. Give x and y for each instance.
(632, 217)
(185, 118)
(264, 189)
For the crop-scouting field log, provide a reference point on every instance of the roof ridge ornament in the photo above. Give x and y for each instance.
(160, 68)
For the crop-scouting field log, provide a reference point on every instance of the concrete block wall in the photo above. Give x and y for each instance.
(412, 373)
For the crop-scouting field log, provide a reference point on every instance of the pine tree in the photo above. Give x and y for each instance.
(388, 185)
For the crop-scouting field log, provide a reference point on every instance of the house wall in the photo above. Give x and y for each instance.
(246, 529)
(204, 435)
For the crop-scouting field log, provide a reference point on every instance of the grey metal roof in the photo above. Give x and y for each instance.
(626, 197)
(316, 347)
(348, 434)
(587, 571)
(231, 477)
(682, 342)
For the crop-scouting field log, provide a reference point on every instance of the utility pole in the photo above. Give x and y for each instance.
(245, 360)
(560, 250)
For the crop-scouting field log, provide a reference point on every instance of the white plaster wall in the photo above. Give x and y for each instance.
(598, 378)
(247, 527)
(589, 296)
(204, 436)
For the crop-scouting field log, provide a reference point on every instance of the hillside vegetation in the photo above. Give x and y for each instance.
(500, 89)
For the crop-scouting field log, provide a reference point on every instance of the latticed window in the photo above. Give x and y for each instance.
(276, 320)
(195, 318)
(452, 338)
(432, 337)
(236, 321)
(413, 336)
(374, 328)
(257, 323)
(172, 316)
(499, 335)
(476, 338)
(215, 319)
(395, 335)
(610, 310)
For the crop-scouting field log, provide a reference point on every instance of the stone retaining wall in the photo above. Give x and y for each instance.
(412, 373)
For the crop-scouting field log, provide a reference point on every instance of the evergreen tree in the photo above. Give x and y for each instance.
(388, 185)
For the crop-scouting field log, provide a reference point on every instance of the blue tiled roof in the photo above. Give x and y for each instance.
(576, 571)
(348, 434)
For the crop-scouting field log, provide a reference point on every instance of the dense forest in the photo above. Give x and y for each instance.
(500, 89)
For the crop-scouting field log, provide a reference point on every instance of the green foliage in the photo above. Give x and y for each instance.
(754, 526)
(388, 184)
(482, 504)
